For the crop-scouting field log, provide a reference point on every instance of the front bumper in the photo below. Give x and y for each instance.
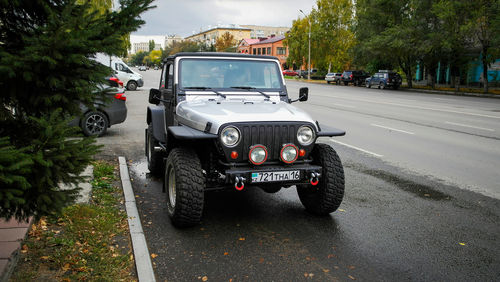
(244, 174)
(140, 82)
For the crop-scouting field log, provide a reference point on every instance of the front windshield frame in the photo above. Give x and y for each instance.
(274, 81)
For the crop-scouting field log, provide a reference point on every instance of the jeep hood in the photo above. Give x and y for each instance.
(197, 113)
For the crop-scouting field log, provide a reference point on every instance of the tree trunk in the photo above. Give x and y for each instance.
(485, 70)
(408, 74)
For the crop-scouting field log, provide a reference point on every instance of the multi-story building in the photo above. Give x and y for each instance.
(141, 43)
(259, 31)
(171, 39)
(270, 46)
(209, 37)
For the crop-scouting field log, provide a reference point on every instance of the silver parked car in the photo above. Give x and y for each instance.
(333, 77)
(95, 122)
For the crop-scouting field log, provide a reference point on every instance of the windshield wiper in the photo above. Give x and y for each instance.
(206, 88)
(251, 88)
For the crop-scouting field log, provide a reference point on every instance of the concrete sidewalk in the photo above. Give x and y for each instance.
(13, 233)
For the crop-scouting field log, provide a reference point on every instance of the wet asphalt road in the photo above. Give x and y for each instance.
(394, 224)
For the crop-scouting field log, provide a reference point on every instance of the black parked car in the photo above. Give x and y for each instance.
(356, 77)
(383, 79)
(106, 113)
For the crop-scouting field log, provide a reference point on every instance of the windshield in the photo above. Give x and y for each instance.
(229, 74)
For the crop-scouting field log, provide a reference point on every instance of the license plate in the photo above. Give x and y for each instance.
(275, 176)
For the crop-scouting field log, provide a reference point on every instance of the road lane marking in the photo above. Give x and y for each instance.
(342, 105)
(414, 107)
(356, 148)
(393, 129)
(471, 126)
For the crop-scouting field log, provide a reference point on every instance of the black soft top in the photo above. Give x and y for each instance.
(218, 54)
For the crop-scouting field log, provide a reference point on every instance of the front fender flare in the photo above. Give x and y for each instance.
(156, 115)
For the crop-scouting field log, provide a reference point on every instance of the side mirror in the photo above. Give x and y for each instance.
(154, 96)
(303, 94)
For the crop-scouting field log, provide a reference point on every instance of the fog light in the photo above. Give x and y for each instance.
(289, 153)
(302, 152)
(257, 154)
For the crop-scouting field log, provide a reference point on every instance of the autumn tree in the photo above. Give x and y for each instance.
(331, 36)
(297, 42)
(484, 27)
(225, 43)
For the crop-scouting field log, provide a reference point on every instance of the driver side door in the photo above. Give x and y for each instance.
(167, 92)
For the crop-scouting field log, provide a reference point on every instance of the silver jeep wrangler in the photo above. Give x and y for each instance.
(225, 121)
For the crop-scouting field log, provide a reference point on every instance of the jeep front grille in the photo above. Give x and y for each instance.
(273, 135)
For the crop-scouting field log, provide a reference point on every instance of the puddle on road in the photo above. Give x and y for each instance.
(140, 169)
(420, 190)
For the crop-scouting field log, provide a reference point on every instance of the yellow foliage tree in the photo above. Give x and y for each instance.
(225, 42)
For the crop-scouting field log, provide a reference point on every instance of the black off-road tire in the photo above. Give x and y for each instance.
(132, 85)
(183, 169)
(94, 124)
(381, 85)
(328, 82)
(327, 195)
(156, 164)
(346, 83)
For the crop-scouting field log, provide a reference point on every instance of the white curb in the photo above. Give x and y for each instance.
(143, 264)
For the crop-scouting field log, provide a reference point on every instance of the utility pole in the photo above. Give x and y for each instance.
(308, 49)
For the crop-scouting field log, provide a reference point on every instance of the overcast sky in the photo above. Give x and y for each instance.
(183, 17)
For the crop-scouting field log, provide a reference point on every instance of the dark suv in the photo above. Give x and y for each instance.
(356, 77)
(383, 79)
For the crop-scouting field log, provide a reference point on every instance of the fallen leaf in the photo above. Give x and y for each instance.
(66, 267)
(311, 275)
(242, 239)
(326, 270)
(204, 278)
(341, 210)
(226, 253)
(461, 244)
(261, 260)
(154, 255)
(427, 195)
(331, 256)
(351, 267)
(350, 276)
(44, 257)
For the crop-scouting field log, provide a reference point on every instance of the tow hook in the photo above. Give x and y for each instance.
(315, 178)
(239, 183)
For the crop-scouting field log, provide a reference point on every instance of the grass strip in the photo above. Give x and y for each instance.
(86, 242)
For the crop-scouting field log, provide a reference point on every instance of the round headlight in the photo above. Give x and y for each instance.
(289, 153)
(305, 135)
(230, 136)
(258, 154)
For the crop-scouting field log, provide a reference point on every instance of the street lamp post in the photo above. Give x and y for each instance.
(308, 49)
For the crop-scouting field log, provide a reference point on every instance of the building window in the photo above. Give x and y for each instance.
(281, 51)
(269, 50)
(255, 51)
(259, 51)
(263, 51)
